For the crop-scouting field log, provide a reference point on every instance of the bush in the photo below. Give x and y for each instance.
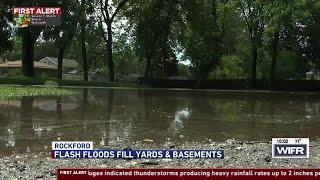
(289, 66)
(44, 75)
(14, 72)
(51, 83)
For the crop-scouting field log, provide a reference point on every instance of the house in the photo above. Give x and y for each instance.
(14, 68)
(18, 64)
(67, 64)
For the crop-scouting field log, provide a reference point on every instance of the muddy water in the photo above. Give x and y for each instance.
(121, 116)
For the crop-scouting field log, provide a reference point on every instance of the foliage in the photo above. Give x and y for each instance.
(51, 83)
(222, 39)
(5, 31)
(184, 71)
(290, 66)
(14, 72)
(200, 36)
(231, 67)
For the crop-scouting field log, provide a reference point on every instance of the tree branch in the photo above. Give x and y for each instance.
(78, 3)
(102, 30)
(120, 6)
(246, 18)
(104, 11)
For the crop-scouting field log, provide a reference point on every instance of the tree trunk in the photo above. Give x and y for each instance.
(147, 69)
(84, 53)
(165, 47)
(254, 66)
(214, 13)
(27, 53)
(83, 43)
(109, 53)
(165, 58)
(274, 52)
(60, 61)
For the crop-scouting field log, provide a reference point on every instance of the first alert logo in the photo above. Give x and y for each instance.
(69, 172)
(37, 10)
(94, 173)
(81, 172)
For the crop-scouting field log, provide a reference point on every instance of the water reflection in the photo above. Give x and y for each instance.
(178, 122)
(121, 116)
(27, 124)
(59, 107)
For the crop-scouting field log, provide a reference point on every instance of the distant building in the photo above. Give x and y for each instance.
(67, 64)
(15, 67)
(18, 64)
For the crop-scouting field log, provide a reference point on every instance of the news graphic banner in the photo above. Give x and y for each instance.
(84, 150)
(290, 148)
(181, 174)
(281, 148)
(36, 16)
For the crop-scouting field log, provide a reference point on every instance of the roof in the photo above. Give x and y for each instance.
(73, 72)
(67, 63)
(18, 64)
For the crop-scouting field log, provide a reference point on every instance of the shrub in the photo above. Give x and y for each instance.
(51, 83)
(14, 72)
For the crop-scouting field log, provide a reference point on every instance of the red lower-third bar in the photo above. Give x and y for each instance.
(173, 174)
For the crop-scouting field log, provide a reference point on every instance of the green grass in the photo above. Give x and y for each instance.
(22, 80)
(17, 92)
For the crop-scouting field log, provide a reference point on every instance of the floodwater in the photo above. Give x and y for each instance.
(118, 117)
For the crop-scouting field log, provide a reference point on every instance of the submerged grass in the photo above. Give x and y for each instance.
(17, 92)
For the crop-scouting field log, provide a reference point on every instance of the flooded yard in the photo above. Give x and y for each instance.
(121, 116)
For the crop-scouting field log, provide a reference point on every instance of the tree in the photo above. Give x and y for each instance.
(252, 13)
(307, 34)
(65, 40)
(201, 36)
(5, 30)
(108, 18)
(83, 40)
(29, 34)
(156, 28)
(146, 33)
(12, 51)
(29, 37)
(279, 21)
(63, 35)
(231, 67)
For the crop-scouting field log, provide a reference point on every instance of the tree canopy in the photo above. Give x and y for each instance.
(195, 39)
